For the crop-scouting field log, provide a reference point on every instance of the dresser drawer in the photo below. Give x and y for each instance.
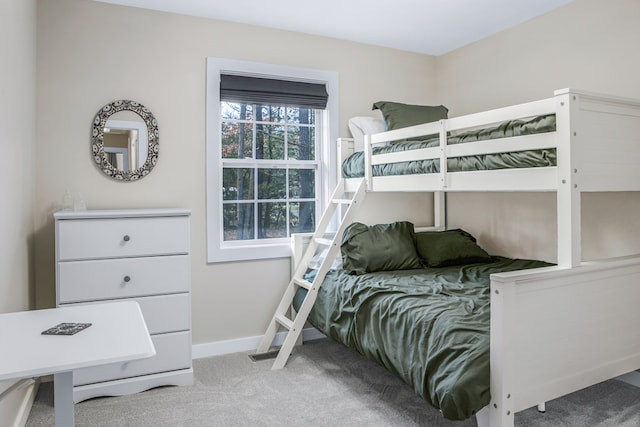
(173, 352)
(166, 313)
(122, 278)
(162, 313)
(121, 237)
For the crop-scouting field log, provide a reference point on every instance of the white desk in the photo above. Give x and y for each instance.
(118, 333)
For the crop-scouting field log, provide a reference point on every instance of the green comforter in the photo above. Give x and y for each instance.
(353, 166)
(428, 326)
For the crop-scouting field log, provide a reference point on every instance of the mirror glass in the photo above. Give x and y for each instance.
(124, 140)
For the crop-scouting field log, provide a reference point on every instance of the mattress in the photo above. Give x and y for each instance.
(428, 326)
(353, 166)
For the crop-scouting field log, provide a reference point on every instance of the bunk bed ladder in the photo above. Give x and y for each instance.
(285, 317)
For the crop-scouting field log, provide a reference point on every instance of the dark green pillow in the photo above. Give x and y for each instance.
(380, 247)
(450, 247)
(398, 115)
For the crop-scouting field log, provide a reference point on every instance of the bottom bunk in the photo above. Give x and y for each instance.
(470, 331)
(421, 313)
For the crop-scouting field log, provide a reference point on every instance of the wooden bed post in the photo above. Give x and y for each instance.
(368, 172)
(345, 149)
(440, 209)
(568, 193)
(440, 197)
(443, 153)
(502, 404)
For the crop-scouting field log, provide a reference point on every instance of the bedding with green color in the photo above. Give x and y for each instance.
(380, 247)
(353, 166)
(428, 326)
(397, 115)
(450, 247)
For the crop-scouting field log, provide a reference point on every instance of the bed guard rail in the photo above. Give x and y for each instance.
(446, 127)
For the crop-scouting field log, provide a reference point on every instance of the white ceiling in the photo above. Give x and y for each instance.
(431, 27)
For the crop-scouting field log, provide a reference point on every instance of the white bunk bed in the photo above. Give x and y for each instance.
(588, 332)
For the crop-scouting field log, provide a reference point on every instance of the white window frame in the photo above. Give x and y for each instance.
(217, 250)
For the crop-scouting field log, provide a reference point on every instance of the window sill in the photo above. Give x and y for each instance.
(248, 253)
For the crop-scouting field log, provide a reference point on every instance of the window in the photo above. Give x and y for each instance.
(269, 170)
(269, 160)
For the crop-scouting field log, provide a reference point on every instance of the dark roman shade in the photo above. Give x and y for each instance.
(257, 90)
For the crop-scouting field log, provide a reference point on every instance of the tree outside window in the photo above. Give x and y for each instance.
(269, 167)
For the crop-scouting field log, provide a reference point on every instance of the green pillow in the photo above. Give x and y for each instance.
(450, 247)
(380, 247)
(398, 115)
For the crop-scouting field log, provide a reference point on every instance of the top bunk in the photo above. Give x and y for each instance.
(575, 140)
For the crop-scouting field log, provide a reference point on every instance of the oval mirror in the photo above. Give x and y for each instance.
(124, 140)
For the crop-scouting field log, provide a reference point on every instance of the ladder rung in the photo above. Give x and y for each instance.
(342, 201)
(303, 283)
(323, 241)
(284, 321)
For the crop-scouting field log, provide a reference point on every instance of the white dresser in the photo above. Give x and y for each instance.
(140, 255)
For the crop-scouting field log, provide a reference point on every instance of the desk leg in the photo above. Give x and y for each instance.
(63, 399)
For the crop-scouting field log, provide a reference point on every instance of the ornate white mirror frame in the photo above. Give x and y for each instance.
(100, 155)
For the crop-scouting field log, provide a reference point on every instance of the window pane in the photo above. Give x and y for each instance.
(237, 140)
(302, 217)
(270, 113)
(270, 142)
(303, 116)
(236, 111)
(272, 220)
(272, 183)
(301, 140)
(302, 183)
(238, 221)
(237, 184)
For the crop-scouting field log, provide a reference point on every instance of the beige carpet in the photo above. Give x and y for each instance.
(323, 384)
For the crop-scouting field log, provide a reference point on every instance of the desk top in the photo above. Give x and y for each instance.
(118, 333)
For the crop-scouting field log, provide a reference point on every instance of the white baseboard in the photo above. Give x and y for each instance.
(218, 348)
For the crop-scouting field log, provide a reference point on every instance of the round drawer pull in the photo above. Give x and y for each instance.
(126, 238)
(127, 278)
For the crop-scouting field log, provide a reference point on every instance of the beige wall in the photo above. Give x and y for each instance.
(162, 64)
(589, 45)
(17, 173)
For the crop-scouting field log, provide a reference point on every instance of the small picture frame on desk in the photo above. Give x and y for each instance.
(66, 329)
